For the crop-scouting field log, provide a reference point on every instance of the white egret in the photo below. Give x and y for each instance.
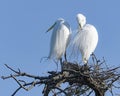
(86, 39)
(60, 39)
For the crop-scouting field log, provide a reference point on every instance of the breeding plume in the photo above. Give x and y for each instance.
(86, 39)
(60, 39)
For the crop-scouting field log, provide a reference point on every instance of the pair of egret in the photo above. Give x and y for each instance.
(86, 38)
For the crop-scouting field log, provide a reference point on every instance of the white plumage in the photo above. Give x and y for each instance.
(86, 39)
(59, 39)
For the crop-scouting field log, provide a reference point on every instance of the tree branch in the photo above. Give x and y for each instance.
(95, 77)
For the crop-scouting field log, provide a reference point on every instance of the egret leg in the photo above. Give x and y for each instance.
(56, 62)
(65, 56)
(93, 58)
(86, 63)
(86, 67)
(61, 63)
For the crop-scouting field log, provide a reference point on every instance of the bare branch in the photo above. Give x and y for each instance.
(16, 91)
(80, 78)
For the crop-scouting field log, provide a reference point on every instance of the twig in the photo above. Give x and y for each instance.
(16, 91)
(61, 91)
(12, 69)
(19, 73)
(90, 93)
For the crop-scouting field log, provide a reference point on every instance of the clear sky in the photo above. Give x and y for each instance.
(23, 40)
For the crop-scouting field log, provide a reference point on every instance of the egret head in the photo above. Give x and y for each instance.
(57, 22)
(60, 20)
(81, 20)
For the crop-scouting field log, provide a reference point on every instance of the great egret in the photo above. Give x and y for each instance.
(60, 39)
(86, 39)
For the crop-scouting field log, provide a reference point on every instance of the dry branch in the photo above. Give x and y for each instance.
(82, 79)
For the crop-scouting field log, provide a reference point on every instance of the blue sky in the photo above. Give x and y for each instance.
(23, 41)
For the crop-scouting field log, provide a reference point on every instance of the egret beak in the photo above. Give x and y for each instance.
(51, 27)
(80, 26)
